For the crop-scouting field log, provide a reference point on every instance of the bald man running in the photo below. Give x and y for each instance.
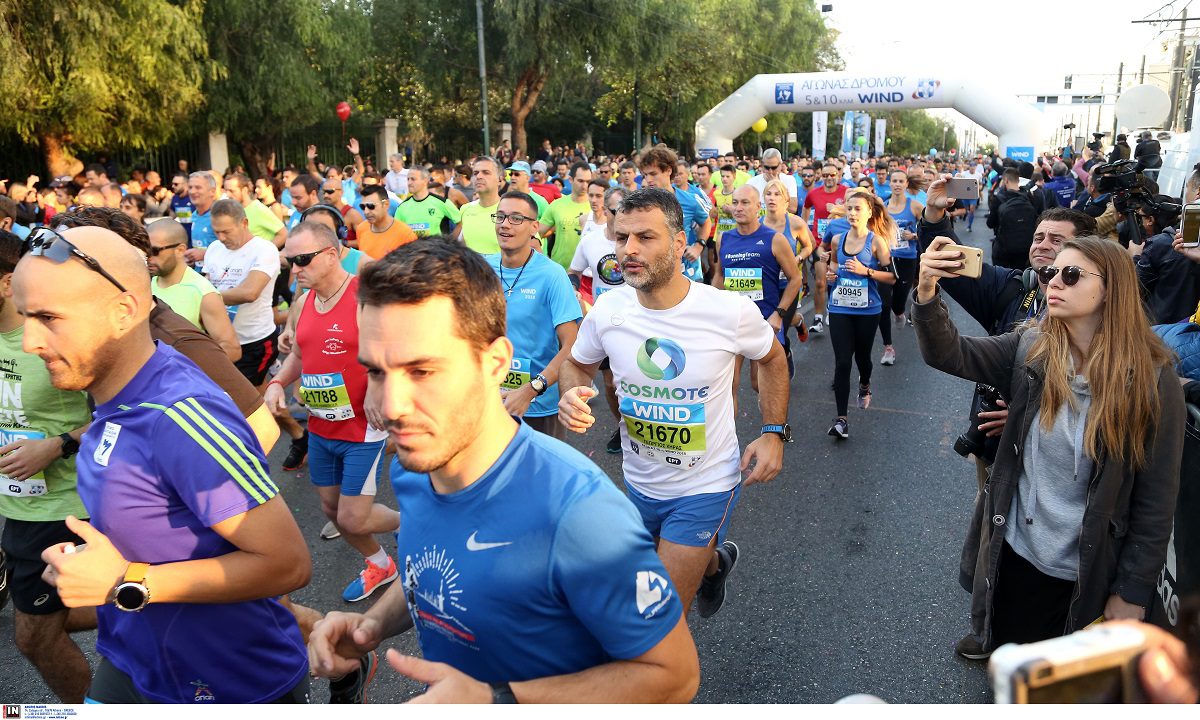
(188, 542)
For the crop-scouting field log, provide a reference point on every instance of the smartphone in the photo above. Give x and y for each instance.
(962, 188)
(1189, 226)
(972, 260)
(1095, 665)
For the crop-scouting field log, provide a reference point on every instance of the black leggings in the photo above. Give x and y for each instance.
(885, 322)
(852, 337)
(906, 269)
(1028, 605)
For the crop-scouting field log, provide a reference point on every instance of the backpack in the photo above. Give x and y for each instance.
(1017, 221)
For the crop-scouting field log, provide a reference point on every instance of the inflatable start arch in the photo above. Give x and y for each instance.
(1015, 123)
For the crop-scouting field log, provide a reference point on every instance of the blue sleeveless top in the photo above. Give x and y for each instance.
(853, 294)
(750, 268)
(905, 220)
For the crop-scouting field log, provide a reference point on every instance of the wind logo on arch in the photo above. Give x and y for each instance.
(651, 355)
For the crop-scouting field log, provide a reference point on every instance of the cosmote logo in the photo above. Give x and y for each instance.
(661, 359)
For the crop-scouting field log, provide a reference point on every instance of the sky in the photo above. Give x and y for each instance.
(994, 39)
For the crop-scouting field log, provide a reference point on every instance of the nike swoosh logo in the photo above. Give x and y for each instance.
(473, 544)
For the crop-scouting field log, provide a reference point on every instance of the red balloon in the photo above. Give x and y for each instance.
(343, 111)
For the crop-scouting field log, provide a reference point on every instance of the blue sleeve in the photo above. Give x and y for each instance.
(561, 296)
(603, 562)
(216, 465)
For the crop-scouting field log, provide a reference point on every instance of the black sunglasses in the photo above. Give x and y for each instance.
(154, 251)
(328, 192)
(47, 243)
(1070, 274)
(770, 167)
(368, 206)
(304, 259)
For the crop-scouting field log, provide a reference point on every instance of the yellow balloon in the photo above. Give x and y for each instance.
(760, 125)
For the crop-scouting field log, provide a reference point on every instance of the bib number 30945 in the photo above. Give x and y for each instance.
(850, 293)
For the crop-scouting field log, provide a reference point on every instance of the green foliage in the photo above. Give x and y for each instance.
(99, 73)
(914, 132)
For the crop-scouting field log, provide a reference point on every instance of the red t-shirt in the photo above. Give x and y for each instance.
(817, 199)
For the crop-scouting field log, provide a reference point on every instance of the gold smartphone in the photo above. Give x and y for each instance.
(1096, 665)
(972, 260)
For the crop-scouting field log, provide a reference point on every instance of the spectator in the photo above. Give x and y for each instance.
(1170, 282)
(1120, 150)
(1148, 155)
(97, 175)
(1012, 213)
(1076, 514)
(1062, 185)
(1091, 201)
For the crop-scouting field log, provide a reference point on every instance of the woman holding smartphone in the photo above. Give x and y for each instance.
(1074, 519)
(860, 260)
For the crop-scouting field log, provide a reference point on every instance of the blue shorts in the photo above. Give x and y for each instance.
(969, 204)
(690, 520)
(355, 466)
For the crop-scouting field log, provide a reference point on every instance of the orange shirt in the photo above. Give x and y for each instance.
(378, 244)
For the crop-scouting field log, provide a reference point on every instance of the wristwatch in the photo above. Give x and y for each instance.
(539, 384)
(784, 431)
(781, 311)
(132, 594)
(70, 445)
(502, 694)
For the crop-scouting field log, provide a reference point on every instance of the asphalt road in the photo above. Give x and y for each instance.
(847, 582)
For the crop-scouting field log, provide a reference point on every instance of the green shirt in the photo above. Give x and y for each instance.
(565, 215)
(184, 296)
(30, 407)
(478, 228)
(263, 222)
(425, 216)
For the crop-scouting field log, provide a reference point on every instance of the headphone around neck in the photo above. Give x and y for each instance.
(338, 221)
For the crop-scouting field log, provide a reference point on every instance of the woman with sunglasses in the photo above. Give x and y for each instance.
(1074, 520)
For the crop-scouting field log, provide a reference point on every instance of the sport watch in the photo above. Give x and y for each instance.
(784, 431)
(70, 445)
(132, 594)
(539, 384)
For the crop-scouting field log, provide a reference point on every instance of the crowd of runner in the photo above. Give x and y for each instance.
(461, 319)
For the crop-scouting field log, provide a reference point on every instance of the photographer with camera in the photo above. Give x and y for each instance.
(1170, 282)
(1148, 155)
(1075, 516)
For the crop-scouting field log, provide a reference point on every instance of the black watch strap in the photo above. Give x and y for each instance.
(502, 694)
(70, 445)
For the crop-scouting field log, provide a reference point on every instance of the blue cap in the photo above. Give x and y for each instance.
(520, 166)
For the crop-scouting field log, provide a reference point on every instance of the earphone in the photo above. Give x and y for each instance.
(339, 222)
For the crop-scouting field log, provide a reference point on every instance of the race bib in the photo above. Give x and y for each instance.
(901, 243)
(747, 281)
(822, 226)
(34, 486)
(850, 293)
(183, 215)
(421, 229)
(326, 396)
(672, 435)
(725, 223)
(518, 374)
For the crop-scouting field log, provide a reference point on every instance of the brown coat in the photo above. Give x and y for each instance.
(1128, 516)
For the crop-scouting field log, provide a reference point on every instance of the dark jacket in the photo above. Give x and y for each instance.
(1170, 281)
(1148, 153)
(1120, 151)
(1128, 515)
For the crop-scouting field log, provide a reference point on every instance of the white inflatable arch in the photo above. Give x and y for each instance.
(1015, 123)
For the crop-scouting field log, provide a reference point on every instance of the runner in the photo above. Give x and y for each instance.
(817, 205)
(801, 241)
(331, 194)
(676, 341)
(477, 229)
(597, 255)
(187, 292)
(202, 190)
(772, 169)
(502, 614)
(564, 218)
(722, 209)
(754, 260)
(519, 176)
(345, 453)
(182, 206)
(263, 222)
(188, 544)
(305, 192)
(627, 176)
(41, 426)
(904, 211)
(426, 213)
(380, 234)
(658, 165)
(861, 261)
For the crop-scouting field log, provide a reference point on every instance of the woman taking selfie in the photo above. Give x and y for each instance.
(1073, 522)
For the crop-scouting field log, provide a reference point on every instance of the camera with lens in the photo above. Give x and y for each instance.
(1129, 194)
(972, 442)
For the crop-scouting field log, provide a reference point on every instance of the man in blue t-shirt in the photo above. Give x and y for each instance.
(188, 543)
(528, 576)
(542, 313)
(202, 189)
(182, 207)
(658, 166)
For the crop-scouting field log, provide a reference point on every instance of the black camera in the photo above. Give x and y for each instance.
(972, 441)
(1129, 194)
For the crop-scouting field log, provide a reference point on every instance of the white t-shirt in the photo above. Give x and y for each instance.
(674, 375)
(759, 183)
(596, 257)
(227, 268)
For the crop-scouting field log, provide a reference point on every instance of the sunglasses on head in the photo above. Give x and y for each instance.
(304, 259)
(154, 251)
(1070, 274)
(47, 243)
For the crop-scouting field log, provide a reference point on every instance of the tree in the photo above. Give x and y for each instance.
(280, 64)
(914, 132)
(95, 74)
